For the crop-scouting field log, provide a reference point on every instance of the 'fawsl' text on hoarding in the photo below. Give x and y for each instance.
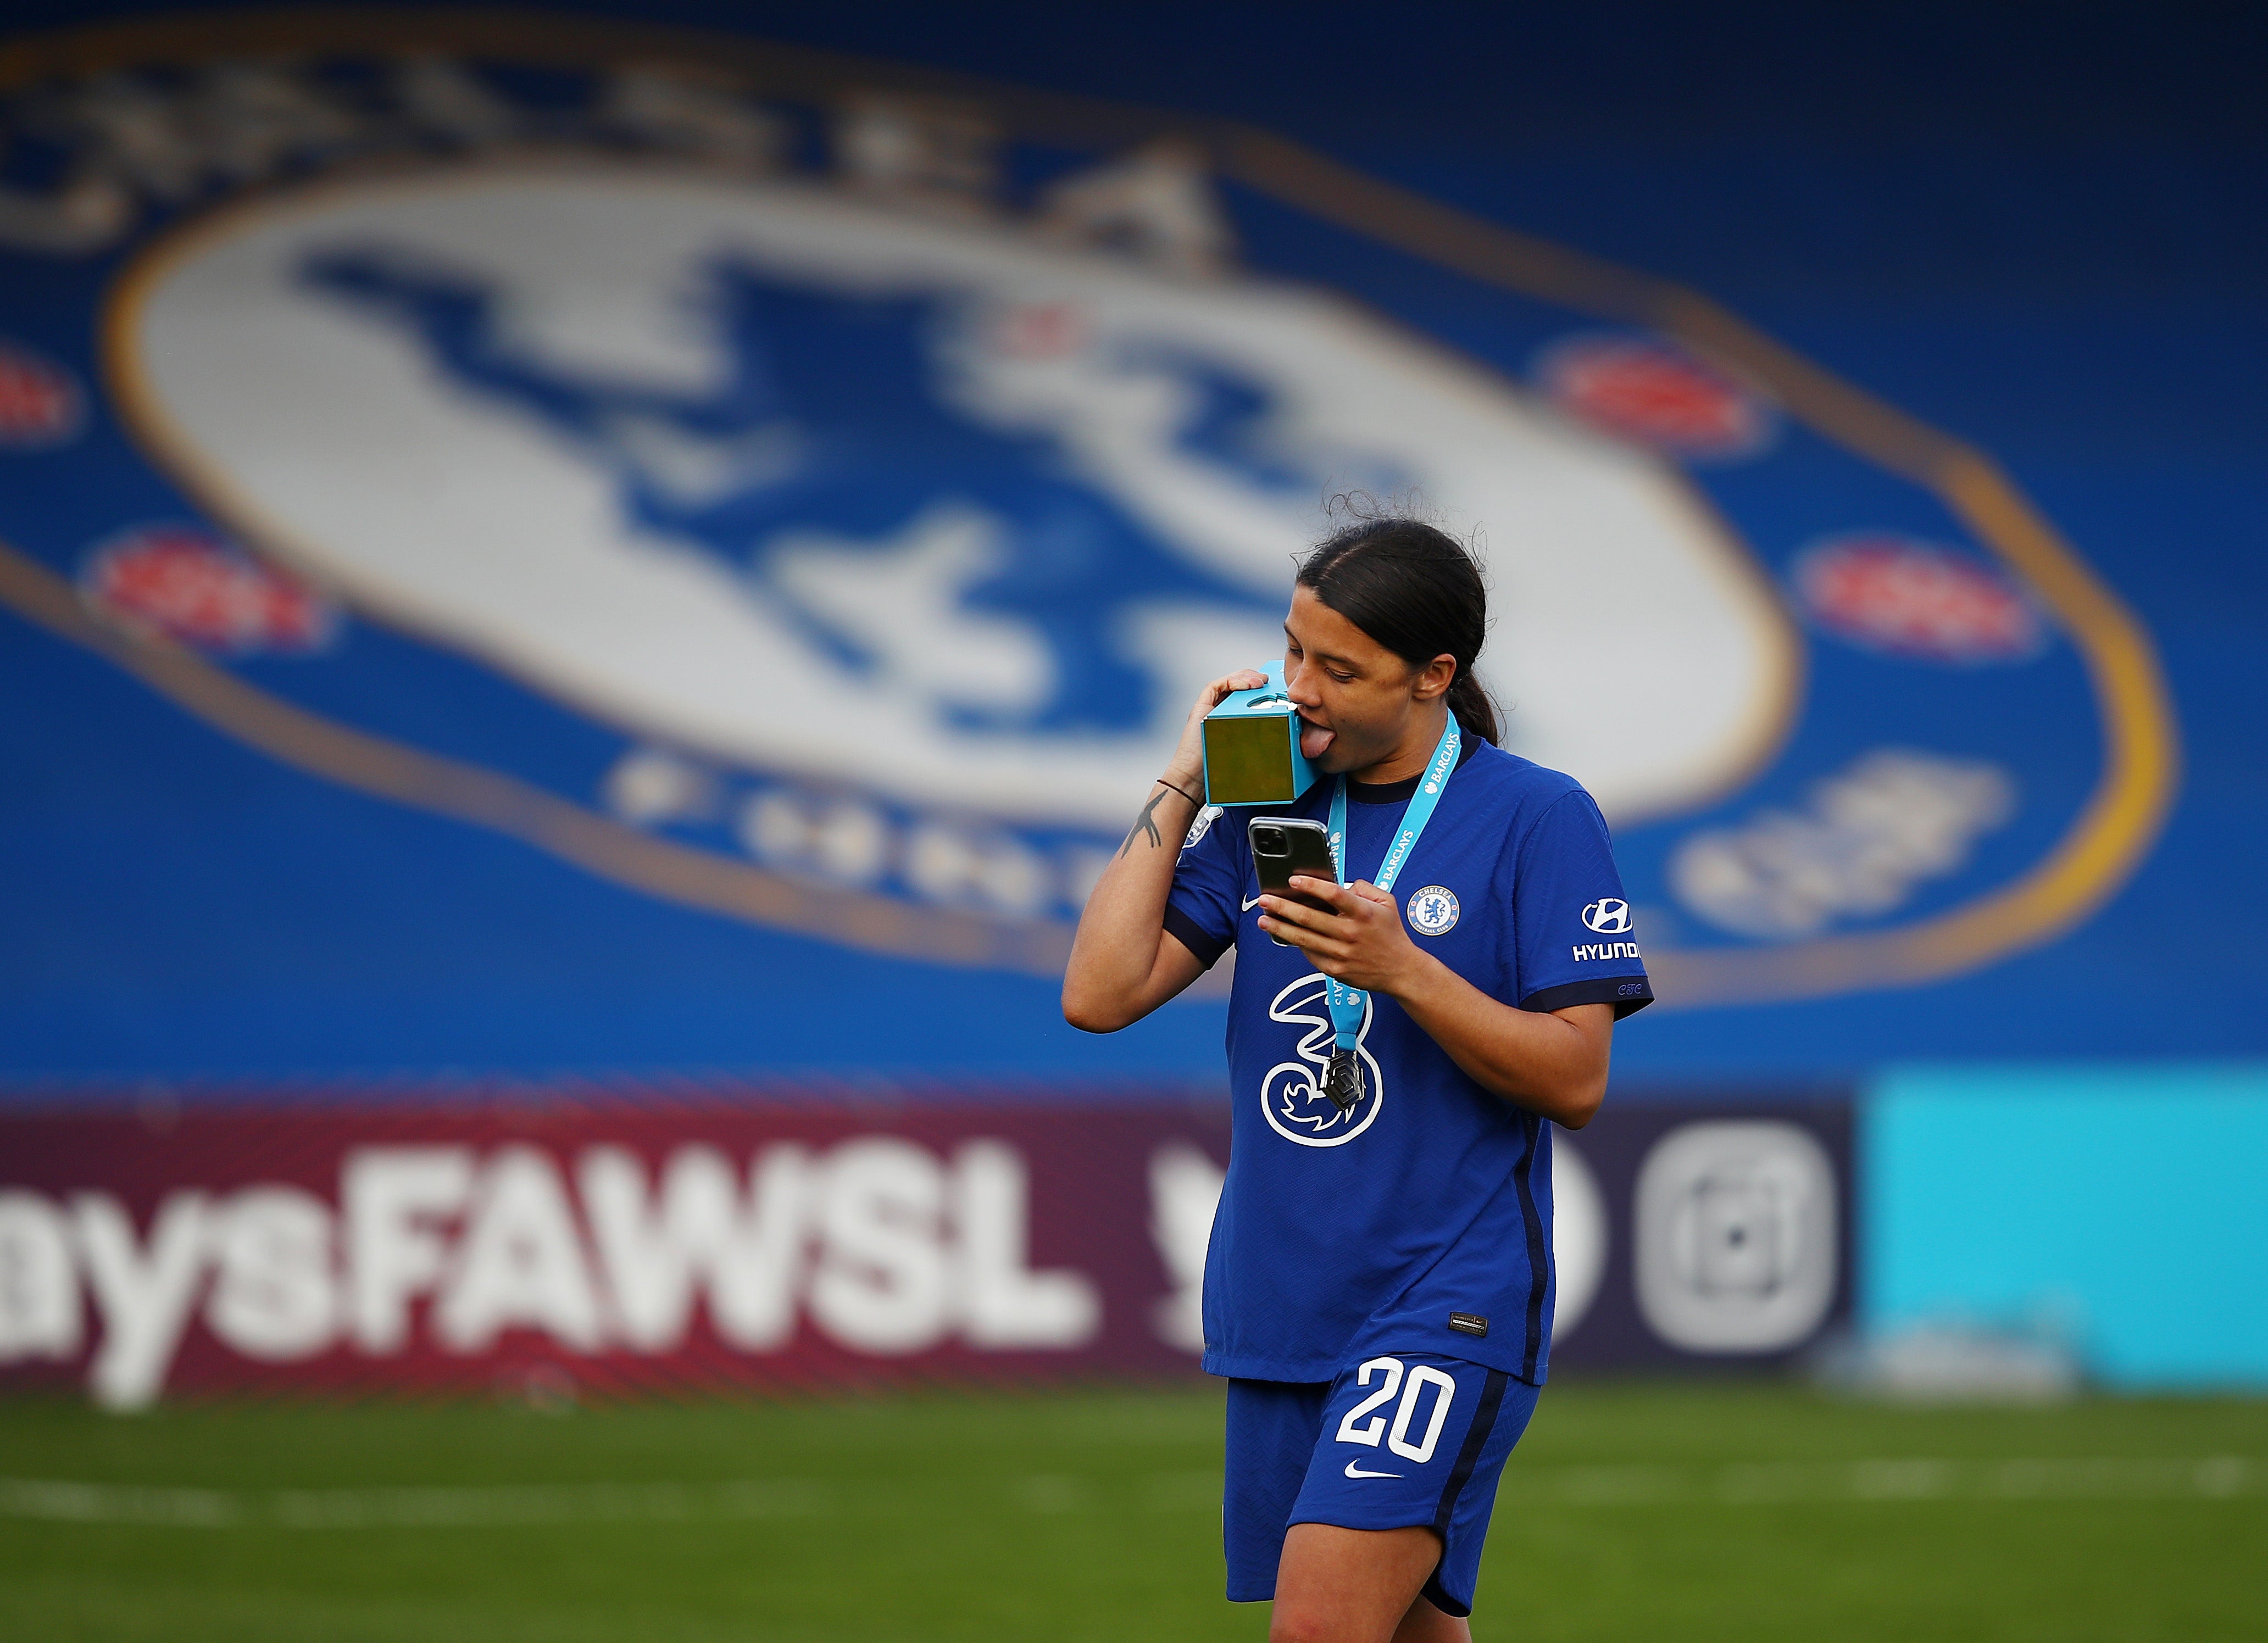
(800, 1256)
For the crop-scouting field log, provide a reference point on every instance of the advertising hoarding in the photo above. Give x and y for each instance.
(612, 1246)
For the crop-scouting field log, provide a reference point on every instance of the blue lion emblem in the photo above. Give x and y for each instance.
(838, 415)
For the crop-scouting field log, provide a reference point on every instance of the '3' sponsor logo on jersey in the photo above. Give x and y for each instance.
(1292, 1094)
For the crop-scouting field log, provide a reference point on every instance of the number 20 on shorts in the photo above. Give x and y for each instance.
(1395, 1380)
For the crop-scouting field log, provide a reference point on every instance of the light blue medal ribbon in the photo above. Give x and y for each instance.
(1342, 1079)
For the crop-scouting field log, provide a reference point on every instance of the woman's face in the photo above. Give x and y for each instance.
(1356, 696)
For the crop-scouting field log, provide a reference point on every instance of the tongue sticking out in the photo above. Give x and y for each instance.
(1313, 738)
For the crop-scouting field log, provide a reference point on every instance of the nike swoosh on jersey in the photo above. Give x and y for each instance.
(1249, 906)
(1352, 1470)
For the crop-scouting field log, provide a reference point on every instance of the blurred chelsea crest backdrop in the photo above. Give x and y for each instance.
(566, 546)
(779, 491)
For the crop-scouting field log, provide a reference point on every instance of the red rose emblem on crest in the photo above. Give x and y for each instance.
(1647, 390)
(39, 403)
(176, 580)
(1906, 598)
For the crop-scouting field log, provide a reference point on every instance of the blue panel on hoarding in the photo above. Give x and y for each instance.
(2123, 1206)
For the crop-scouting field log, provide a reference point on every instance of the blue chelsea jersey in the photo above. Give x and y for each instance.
(1421, 1219)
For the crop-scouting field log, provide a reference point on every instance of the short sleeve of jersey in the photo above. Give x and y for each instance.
(1206, 901)
(1570, 924)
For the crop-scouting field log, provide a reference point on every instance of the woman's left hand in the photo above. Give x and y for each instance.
(1360, 941)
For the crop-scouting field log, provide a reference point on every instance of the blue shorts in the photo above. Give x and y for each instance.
(1395, 1442)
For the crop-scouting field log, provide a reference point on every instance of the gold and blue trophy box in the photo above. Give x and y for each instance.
(1252, 747)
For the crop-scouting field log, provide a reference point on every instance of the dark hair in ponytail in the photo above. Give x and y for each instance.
(1415, 589)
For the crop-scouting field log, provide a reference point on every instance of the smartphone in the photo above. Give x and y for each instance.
(1286, 845)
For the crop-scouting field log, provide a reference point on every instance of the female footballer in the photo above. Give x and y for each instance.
(1378, 1287)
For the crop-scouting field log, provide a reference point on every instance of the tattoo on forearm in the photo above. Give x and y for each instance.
(1146, 822)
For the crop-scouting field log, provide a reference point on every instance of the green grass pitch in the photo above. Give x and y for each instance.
(1745, 1512)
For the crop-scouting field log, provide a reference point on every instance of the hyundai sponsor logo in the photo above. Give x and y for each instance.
(1609, 916)
(1587, 952)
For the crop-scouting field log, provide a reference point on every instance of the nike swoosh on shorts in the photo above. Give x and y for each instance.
(1352, 1470)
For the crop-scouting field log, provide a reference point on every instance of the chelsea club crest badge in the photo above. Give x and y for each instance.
(1432, 911)
(821, 493)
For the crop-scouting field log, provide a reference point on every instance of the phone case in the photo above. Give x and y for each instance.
(1309, 854)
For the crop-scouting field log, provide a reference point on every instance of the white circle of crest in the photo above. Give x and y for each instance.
(1647, 652)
